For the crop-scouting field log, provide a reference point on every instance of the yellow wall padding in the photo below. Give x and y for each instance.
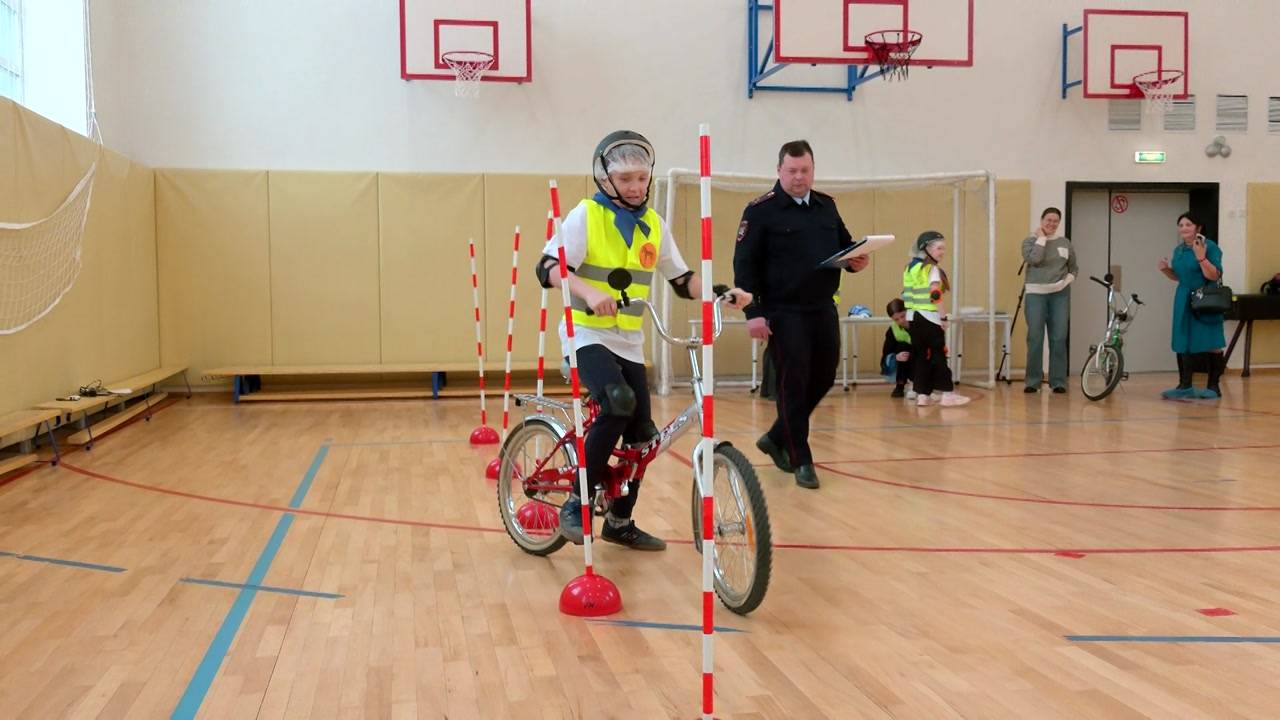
(214, 258)
(424, 224)
(1262, 261)
(324, 268)
(105, 327)
(523, 200)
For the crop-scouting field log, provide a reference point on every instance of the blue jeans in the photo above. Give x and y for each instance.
(1050, 312)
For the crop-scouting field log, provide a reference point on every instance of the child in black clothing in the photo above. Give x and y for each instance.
(895, 358)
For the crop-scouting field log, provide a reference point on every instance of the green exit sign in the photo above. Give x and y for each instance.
(1149, 156)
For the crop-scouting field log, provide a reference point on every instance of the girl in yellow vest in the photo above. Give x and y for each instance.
(923, 284)
(613, 241)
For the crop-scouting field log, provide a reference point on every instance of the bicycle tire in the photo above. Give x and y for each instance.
(1112, 363)
(529, 427)
(750, 502)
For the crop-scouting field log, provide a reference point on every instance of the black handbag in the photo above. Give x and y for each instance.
(1212, 299)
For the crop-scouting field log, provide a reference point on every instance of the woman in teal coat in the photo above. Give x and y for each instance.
(1197, 340)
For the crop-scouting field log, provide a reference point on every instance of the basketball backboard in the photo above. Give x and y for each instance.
(1119, 44)
(834, 31)
(431, 28)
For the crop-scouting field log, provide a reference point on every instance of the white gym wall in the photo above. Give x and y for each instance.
(277, 84)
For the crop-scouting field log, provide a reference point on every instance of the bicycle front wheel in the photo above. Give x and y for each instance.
(743, 556)
(1101, 372)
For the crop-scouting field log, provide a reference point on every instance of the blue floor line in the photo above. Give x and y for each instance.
(64, 563)
(262, 588)
(205, 673)
(1264, 640)
(662, 626)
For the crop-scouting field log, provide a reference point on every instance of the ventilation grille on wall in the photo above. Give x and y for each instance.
(1273, 115)
(1124, 115)
(1181, 115)
(1233, 113)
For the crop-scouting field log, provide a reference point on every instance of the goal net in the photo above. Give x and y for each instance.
(961, 205)
(40, 261)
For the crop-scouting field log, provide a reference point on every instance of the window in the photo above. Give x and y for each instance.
(11, 49)
(1181, 116)
(1273, 114)
(1124, 115)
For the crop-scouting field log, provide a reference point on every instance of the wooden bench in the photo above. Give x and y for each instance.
(118, 394)
(21, 421)
(246, 381)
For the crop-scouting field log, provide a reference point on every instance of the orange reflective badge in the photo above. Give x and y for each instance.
(648, 256)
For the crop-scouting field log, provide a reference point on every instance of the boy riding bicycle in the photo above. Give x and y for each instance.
(611, 232)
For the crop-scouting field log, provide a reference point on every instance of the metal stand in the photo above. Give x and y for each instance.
(1000, 373)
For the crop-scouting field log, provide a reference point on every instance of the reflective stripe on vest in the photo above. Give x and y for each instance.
(607, 252)
(915, 288)
(900, 333)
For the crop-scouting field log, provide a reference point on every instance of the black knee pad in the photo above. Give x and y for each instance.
(619, 400)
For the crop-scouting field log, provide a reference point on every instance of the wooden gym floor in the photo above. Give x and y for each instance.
(1023, 557)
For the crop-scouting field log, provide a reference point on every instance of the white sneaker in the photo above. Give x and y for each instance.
(952, 400)
(923, 401)
(911, 394)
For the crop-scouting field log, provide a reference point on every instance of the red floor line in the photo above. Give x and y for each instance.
(681, 541)
(1065, 453)
(1047, 501)
(272, 508)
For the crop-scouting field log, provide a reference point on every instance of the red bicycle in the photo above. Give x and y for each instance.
(538, 472)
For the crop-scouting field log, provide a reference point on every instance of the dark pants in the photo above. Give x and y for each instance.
(805, 347)
(929, 357)
(598, 368)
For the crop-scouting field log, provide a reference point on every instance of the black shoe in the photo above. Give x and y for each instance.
(1059, 391)
(1030, 389)
(898, 391)
(807, 477)
(631, 536)
(767, 446)
(571, 521)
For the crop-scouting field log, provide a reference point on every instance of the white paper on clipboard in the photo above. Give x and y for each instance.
(865, 246)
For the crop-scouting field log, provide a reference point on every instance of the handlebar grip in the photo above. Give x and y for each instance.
(1135, 299)
(1103, 283)
(720, 289)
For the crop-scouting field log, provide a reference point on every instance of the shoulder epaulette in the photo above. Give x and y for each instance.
(762, 198)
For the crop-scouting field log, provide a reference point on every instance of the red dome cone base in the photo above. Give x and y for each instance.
(484, 435)
(491, 470)
(538, 518)
(590, 595)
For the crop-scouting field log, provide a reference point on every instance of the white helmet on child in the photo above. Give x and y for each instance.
(620, 151)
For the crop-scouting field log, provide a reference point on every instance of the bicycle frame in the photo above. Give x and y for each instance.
(1118, 318)
(632, 460)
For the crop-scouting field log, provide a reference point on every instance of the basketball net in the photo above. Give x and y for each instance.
(468, 68)
(892, 51)
(1157, 87)
(40, 261)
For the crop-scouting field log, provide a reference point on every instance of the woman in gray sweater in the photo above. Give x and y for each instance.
(1051, 267)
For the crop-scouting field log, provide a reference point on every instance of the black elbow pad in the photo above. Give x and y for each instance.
(543, 269)
(681, 285)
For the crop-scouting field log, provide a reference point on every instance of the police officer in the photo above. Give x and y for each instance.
(784, 235)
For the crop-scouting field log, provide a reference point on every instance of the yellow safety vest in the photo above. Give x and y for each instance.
(915, 287)
(606, 252)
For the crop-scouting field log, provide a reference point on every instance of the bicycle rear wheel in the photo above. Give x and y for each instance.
(1101, 372)
(743, 539)
(532, 519)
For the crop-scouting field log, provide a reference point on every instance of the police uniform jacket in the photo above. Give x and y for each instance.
(779, 247)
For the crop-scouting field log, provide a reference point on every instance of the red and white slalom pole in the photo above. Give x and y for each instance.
(542, 319)
(491, 471)
(483, 435)
(707, 444)
(589, 594)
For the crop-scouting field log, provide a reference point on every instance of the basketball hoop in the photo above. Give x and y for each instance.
(1157, 87)
(469, 68)
(892, 50)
